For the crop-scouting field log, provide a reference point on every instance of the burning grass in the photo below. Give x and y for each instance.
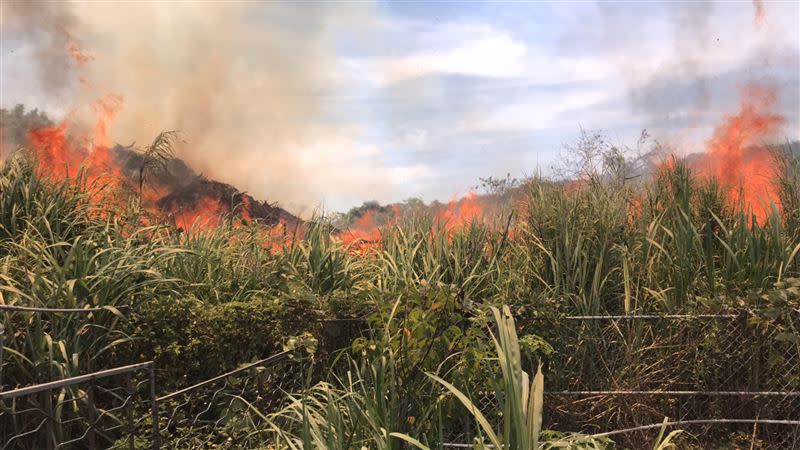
(738, 157)
(568, 250)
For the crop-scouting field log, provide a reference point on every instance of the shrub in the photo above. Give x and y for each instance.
(190, 341)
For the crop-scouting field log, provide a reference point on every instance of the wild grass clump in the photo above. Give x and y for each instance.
(424, 250)
(199, 302)
(674, 243)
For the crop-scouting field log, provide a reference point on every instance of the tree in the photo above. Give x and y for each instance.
(17, 122)
(594, 159)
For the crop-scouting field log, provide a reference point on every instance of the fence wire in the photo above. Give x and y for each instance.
(91, 411)
(229, 410)
(727, 378)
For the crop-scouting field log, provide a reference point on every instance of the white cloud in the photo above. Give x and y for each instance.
(542, 112)
(341, 169)
(411, 174)
(492, 53)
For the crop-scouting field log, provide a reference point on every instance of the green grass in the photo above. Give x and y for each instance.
(668, 243)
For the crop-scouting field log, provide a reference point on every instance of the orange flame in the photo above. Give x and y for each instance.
(80, 55)
(61, 156)
(364, 230)
(245, 209)
(365, 234)
(734, 154)
(760, 15)
(206, 213)
(279, 236)
(459, 213)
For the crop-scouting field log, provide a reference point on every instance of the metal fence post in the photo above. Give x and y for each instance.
(131, 422)
(2, 347)
(47, 406)
(52, 422)
(154, 409)
(92, 417)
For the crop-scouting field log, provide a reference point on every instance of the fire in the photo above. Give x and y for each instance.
(760, 16)
(364, 230)
(279, 236)
(107, 107)
(735, 156)
(459, 213)
(71, 148)
(54, 153)
(62, 156)
(206, 213)
(245, 209)
(365, 234)
(80, 55)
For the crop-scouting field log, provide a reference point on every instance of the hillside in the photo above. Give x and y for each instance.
(178, 194)
(181, 189)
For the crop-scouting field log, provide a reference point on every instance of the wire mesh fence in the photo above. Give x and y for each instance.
(229, 409)
(118, 408)
(722, 377)
(98, 410)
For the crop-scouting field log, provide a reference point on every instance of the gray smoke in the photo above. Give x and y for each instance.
(48, 28)
(242, 81)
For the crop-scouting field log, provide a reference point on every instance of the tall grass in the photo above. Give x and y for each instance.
(669, 243)
(673, 244)
(422, 249)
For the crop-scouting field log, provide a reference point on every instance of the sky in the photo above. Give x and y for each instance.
(328, 104)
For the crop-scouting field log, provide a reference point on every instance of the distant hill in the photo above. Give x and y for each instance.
(177, 190)
(181, 188)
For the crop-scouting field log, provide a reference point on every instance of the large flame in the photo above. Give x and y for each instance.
(206, 214)
(60, 155)
(736, 155)
(461, 212)
(364, 231)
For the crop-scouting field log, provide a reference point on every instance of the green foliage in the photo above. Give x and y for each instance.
(672, 244)
(203, 302)
(320, 262)
(16, 124)
(521, 402)
(425, 250)
(191, 341)
(574, 242)
(29, 203)
(223, 264)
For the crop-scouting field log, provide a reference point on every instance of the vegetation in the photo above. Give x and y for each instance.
(201, 302)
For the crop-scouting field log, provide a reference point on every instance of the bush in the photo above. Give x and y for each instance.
(190, 341)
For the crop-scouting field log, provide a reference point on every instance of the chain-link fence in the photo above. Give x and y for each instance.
(228, 410)
(720, 378)
(97, 410)
(118, 408)
(724, 379)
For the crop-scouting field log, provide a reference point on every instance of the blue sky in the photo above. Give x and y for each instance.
(399, 99)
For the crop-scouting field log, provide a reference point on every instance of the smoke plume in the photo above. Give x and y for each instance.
(49, 32)
(242, 81)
